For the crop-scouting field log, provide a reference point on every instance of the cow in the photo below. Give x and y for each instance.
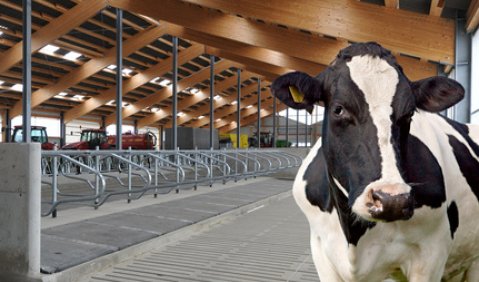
(391, 191)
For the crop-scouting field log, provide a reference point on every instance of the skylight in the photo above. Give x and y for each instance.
(234, 102)
(155, 109)
(72, 55)
(78, 97)
(126, 71)
(217, 97)
(2, 82)
(49, 49)
(17, 87)
(249, 106)
(194, 90)
(165, 82)
(111, 67)
(180, 114)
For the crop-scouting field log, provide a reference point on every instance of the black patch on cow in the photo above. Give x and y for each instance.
(453, 216)
(423, 172)
(467, 163)
(464, 131)
(317, 184)
(352, 225)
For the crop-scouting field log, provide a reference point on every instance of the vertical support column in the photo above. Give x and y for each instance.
(103, 122)
(274, 122)
(62, 130)
(135, 126)
(238, 109)
(462, 66)
(306, 131)
(162, 135)
(175, 93)
(119, 77)
(20, 212)
(297, 128)
(287, 127)
(258, 125)
(27, 70)
(8, 126)
(212, 96)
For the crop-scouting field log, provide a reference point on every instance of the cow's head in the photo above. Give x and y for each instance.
(369, 103)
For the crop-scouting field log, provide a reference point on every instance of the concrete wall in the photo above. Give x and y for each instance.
(19, 211)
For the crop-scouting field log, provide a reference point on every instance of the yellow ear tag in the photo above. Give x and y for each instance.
(298, 97)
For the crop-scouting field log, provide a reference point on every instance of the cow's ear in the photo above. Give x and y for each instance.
(437, 93)
(297, 90)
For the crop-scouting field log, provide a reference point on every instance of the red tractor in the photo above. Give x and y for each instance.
(91, 138)
(37, 134)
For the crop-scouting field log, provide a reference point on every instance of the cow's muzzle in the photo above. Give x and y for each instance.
(389, 207)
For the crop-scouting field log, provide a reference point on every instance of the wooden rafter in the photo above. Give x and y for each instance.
(89, 68)
(55, 29)
(219, 44)
(392, 3)
(472, 16)
(166, 92)
(133, 83)
(189, 101)
(431, 38)
(436, 7)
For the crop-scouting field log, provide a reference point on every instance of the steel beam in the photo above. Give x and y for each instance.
(274, 121)
(174, 98)
(238, 109)
(62, 129)
(462, 69)
(297, 128)
(212, 96)
(119, 77)
(258, 125)
(27, 70)
(287, 127)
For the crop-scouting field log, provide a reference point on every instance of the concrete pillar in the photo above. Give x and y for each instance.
(20, 211)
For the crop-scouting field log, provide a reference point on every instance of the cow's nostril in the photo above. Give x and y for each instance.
(390, 207)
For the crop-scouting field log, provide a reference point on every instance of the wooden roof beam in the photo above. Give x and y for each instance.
(53, 30)
(218, 45)
(237, 29)
(221, 113)
(134, 82)
(166, 92)
(90, 68)
(472, 16)
(225, 100)
(436, 7)
(189, 101)
(250, 115)
(419, 35)
(392, 4)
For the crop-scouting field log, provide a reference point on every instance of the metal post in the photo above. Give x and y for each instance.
(274, 122)
(258, 125)
(287, 127)
(135, 126)
(103, 122)
(306, 130)
(212, 94)
(174, 91)
(238, 109)
(462, 66)
(62, 129)
(119, 78)
(8, 129)
(297, 128)
(27, 70)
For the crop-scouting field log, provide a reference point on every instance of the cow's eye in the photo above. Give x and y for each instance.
(338, 110)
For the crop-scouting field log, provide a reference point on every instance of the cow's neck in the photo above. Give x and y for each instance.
(353, 226)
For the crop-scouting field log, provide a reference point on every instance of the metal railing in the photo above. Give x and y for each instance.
(92, 177)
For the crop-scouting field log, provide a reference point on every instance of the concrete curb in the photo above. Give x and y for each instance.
(83, 271)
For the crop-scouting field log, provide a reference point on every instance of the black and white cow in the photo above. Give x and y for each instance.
(393, 190)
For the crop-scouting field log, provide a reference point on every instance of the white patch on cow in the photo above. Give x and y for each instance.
(378, 81)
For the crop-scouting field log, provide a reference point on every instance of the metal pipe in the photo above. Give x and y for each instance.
(258, 125)
(238, 109)
(135, 126)
(297, 128)
(119, 78)
(8, 129)
(306, 130)
(175, 93)
(27, 70)
(274, 122)
(62, 129)
(287, 127)
(212, 94)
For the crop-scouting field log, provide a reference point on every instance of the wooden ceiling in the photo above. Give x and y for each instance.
(262, 38)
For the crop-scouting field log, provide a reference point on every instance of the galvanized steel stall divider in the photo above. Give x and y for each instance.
(101, 174)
